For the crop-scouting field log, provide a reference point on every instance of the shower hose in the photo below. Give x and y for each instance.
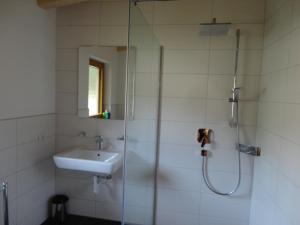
(205, 159)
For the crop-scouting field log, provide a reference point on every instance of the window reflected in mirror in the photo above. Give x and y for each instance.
(96, 88)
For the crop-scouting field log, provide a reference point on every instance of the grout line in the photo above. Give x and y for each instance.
(276, 10)
(278, 135)
(29, 116)
(77, 26)
(278, 102)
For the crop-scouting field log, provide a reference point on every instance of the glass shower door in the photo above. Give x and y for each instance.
(143, 83)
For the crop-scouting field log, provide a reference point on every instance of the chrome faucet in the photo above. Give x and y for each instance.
(99, 142)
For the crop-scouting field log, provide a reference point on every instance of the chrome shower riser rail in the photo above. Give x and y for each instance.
(5, 203)
(234, 122)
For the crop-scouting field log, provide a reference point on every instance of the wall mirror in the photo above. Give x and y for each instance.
(101, 82)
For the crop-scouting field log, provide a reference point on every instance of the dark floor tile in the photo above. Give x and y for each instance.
(81, 220)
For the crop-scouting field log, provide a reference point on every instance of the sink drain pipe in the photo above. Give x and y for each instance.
(100, 179)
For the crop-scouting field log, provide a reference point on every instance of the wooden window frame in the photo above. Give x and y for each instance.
(101, 67)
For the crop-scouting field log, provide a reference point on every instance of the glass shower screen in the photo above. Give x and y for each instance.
(142, 112)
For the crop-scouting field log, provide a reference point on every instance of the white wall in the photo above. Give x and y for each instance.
(276, 191)
(27, 64)
(86, 24)
(27, 57)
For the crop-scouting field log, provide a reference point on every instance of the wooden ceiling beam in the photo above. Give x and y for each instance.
(47, 4)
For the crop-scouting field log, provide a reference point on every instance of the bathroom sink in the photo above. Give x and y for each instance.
(93, 161)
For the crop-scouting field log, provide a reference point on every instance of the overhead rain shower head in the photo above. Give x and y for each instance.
(214, 28)
(136, 1)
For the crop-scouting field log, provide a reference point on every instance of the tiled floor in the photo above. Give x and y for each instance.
(80, 220)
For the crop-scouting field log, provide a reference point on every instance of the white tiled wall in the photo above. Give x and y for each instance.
(276, 191)
(197, 80)
(27, 49)
(86, 24)
(26, 60)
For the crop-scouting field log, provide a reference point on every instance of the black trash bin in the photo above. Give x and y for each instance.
(59, 209)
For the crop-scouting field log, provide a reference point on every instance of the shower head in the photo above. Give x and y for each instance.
(214, 28)
(136, 1)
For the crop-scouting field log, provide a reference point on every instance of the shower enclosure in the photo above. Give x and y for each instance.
(204, 64)
(142, 123)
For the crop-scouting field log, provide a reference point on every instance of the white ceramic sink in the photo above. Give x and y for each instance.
(97, 162)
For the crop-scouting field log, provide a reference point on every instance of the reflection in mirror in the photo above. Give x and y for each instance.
(96, 94)
(101, 88)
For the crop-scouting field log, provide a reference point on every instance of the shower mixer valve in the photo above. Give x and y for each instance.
(204, 136)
